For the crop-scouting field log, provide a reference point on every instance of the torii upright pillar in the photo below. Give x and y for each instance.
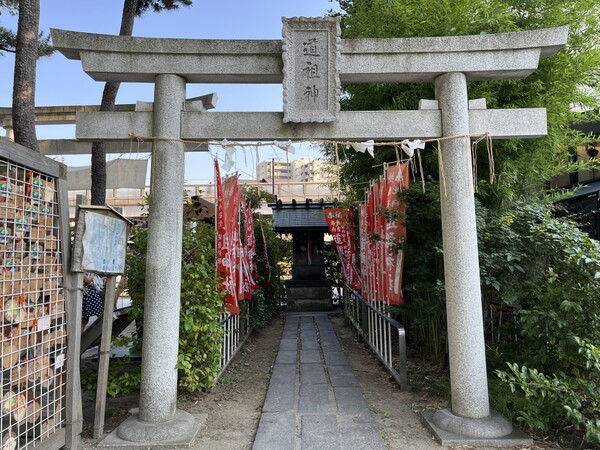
(159, 420)
(470, 415)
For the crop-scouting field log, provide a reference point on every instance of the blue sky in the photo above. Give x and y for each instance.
(63, 82)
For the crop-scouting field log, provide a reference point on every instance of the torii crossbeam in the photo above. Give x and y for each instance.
(311, 61)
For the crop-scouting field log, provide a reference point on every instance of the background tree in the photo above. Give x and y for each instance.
(26, 48)
(28, 44)
(8, 38)
(568, 78)
(131, 9)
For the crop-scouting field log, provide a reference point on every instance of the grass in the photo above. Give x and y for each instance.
(381, 413)
(232, 375)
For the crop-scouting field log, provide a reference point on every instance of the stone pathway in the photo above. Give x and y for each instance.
(314, 400)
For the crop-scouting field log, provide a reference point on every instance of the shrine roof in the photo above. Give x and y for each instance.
(290, 217)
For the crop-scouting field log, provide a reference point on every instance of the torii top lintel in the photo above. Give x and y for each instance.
(399, 60)
(311, 62)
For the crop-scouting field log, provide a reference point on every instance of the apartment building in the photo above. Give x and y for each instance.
(300, 170)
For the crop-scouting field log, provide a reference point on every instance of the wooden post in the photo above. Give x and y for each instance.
(104, 355)
(73, 299)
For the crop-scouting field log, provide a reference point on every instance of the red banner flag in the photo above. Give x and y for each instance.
(354, 279)
(395, 231)
(339, 221)
(232, 200)
(364, 251)
(381, 230)
(227, 233)
(249, 252)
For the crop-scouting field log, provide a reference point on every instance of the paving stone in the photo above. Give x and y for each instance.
(359, 433)
(310, 345)
(292, 319)
(288, 344)
(312, 374)
(345, 424)
(286, 357)
(321, 319)
(327, 335)
(309, 338)
(341, 376)
(328, 338)
(280, 398)
(290, 333)
(283, 374)
(319, 432)
(308, 334)
(276, 431)
(310, 356)
(333, 346)
(325, 327)
(334, 357)
(327, 330)
(314, 398)
(350, 401)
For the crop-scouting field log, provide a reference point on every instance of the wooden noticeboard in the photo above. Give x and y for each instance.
(100, 240)
(100, 246)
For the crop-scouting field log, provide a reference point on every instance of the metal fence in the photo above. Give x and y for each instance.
(385, 336)
(237, 329)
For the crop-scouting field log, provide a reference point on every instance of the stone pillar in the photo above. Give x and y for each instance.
(8, 127)
(468, 375)
(158, 419)
(158, 393)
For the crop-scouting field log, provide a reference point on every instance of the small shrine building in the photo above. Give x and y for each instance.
(309, 289)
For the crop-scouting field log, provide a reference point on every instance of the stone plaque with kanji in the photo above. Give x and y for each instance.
(311, 82)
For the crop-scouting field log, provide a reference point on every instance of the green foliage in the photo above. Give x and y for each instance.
(201, 332)
(423, 312)
(8, 38)
(256, 196)
(8, 42)
(570, 77)
(123, 378)
(558, 400)
(271, 292)
(10, 5)
(539, 271)
(200, 328)
(549, 271)
(333, 265)
(159, 5)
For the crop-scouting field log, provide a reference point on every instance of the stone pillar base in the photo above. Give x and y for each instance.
(491, 431)
(179, 432)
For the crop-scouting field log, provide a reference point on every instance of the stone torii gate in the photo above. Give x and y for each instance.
(311, 61)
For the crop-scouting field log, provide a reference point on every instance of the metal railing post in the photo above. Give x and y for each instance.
(372, 321)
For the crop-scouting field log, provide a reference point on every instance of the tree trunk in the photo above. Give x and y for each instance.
(109, 97)
(26, 56)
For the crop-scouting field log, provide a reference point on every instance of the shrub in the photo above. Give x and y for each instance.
(550, 271)
(200, 328)
(424, 310)
(271, 292)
